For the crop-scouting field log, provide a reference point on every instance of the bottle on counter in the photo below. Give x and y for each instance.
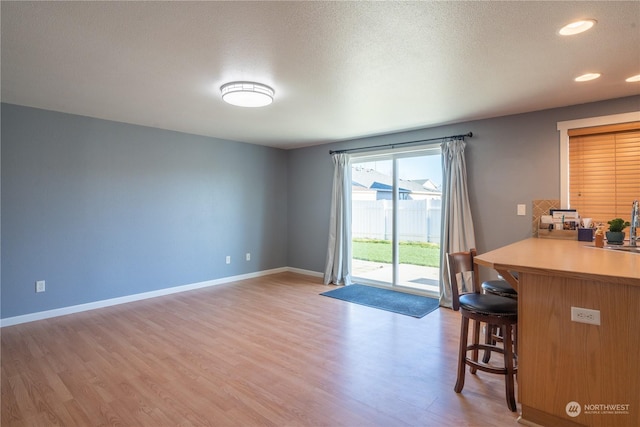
(599, 237)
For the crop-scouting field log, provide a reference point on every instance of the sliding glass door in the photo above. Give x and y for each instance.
(396, 201)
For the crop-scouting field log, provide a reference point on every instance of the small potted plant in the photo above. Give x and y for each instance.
(615, 235)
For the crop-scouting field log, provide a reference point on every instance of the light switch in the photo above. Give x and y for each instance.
(522, 210)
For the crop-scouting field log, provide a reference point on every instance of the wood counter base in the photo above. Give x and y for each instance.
(562, 362)
(543, 419)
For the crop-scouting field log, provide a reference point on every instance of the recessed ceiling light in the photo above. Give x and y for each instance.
(633, 79)
(577, 27)
(587, 77)
(247, 94)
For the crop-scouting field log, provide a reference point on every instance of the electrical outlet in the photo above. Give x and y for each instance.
(228, 260)
(248, 256)
(40, 286)
(585, 315)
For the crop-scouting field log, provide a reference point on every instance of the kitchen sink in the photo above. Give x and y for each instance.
(619, 248)
(632, 249)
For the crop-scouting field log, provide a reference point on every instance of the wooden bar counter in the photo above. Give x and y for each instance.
(570, 373)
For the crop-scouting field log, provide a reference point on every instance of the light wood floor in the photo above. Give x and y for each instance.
(268, 351)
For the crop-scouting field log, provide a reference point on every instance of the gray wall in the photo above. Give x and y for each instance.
(510, 160)
(101, 209)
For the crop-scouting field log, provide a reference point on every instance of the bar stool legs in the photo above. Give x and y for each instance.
(508, 329)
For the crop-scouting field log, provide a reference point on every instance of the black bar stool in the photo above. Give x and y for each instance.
(490, 309)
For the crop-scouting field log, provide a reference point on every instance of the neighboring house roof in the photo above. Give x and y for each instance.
(374, 180)
(428, 185)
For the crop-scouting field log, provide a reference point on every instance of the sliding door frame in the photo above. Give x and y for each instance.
(394, 155)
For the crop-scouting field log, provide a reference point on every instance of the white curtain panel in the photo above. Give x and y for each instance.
(338, 268)
(457, 224)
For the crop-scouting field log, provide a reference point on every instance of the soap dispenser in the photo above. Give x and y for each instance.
(599, 237)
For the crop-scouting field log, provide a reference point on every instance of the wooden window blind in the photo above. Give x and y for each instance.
(604, 171)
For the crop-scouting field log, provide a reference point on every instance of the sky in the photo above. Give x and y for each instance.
(410, 168)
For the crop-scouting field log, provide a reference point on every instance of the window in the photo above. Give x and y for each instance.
(600, 165)
(604, 170)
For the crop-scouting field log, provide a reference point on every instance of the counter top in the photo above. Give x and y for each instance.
(568, 258)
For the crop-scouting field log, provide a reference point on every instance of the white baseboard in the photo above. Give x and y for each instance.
(31, 317)
(305, 272)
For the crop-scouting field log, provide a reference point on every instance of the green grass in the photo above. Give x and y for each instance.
(425, 254)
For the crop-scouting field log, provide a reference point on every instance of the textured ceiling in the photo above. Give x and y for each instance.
(340, 70)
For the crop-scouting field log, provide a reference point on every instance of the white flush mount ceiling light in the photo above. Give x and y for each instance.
(577, 27)
(247, 94)
(633, 79)
(587, 77)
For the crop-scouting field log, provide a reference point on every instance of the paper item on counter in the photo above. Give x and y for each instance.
(566, 215)
(546, 219)
(547, 223)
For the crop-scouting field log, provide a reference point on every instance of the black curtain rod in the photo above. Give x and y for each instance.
(399, 144)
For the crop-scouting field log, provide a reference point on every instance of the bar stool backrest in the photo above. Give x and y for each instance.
(463, 275)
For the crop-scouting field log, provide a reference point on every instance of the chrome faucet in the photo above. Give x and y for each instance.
(635, 223)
